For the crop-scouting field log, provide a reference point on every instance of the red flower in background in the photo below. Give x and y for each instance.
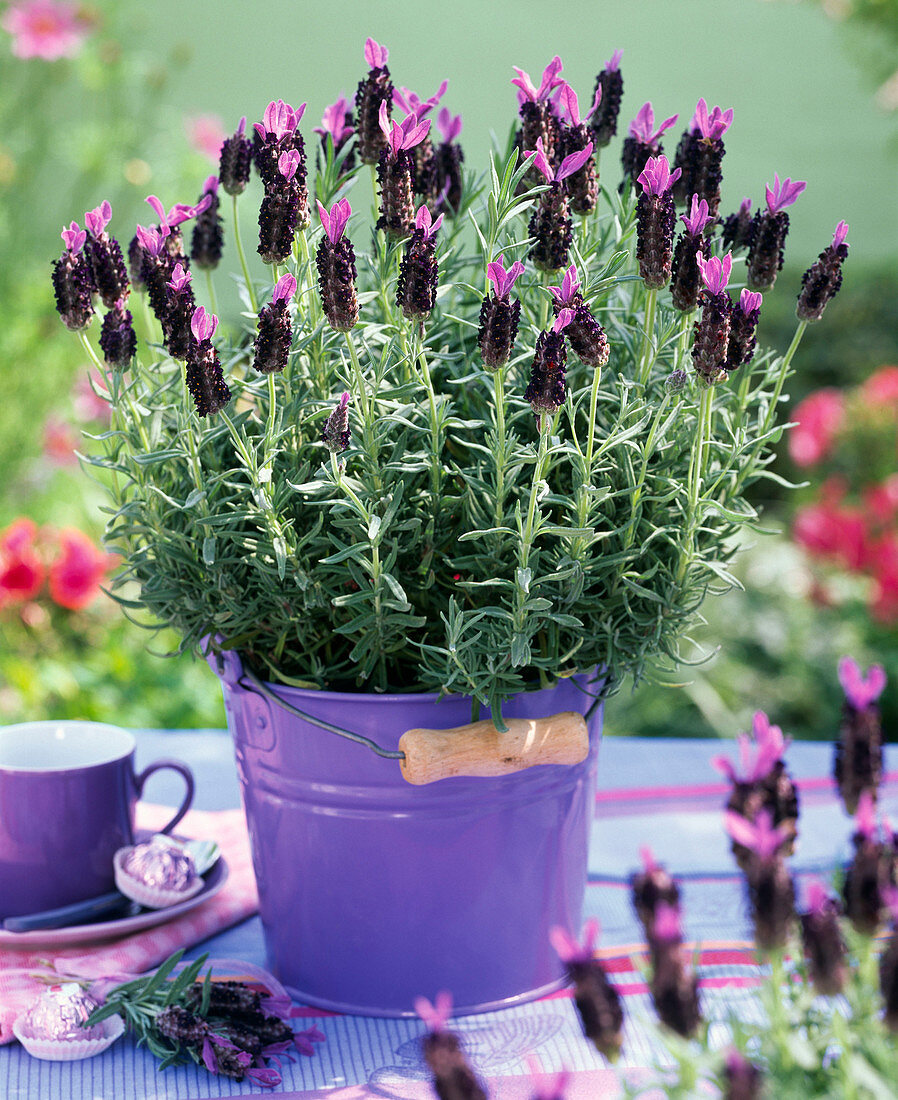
(853, 522)
(829, 530)
(21, 570)
(819, 418)
(76, 573)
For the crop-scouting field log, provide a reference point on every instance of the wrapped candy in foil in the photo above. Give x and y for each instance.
(161, 863)
(59, 1013)
(157, 873)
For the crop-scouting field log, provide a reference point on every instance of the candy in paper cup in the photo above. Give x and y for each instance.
(52, 1028)
(157, 873)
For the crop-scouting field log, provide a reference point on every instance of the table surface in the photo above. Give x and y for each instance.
(663, 793)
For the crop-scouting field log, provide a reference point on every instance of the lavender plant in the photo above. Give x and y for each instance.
(509, 499)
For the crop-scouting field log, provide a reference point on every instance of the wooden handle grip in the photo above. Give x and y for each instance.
(480, 749)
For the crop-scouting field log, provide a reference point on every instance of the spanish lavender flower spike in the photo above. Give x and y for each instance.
(547, 1086)
(453, 1078)
(734, 233)
(538, 121)
(822, 280)
(550, 223)
(335, 260)
(207, 242)
(888, 967)
(336, 430)
(279, 214)
(337, 123)
(597, 1001)
(583, 185)
(700, 153)
(744, 1081)
(673, 985)
(609, 89)
(118, 341)
(177, 316)
(72, 281)
(858, 760)
(824, 945)
(423, 175)
(104, 255)
(743, 330)
(767, 234)
(416, 287)
(445, 182)
(499, 315)
(396, 173)
(274, 336)
(546, 391)
(771, 893)
(584, 333)
(275, 135)
(643, 142)
(650, 887)
(685, 274)
(869, 873)
(655, 220)
(235, 160)
(205, 380)
(712, 330)
(374, 93)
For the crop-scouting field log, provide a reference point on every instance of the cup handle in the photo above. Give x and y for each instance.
(183, 771)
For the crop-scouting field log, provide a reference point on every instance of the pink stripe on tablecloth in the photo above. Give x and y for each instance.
(706, 790)
(237, 900)
(590, 1084)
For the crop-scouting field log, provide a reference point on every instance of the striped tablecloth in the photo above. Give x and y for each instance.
(660, 793)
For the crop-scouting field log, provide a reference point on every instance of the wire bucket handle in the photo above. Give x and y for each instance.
(427, 755)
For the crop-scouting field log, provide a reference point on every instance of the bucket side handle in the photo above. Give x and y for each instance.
(479, 749)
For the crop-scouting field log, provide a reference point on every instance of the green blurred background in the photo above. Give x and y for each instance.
(811, 101)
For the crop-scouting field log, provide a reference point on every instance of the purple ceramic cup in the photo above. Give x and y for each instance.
(68, 791)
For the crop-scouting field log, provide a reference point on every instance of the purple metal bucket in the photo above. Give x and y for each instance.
(373, 891)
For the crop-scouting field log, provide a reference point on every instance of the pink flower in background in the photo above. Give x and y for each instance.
(87, 403)
(205, 134)
(881, 388)
(47, 29)
(819, 417)
(21, 570)
(76, 572)
(60, 441)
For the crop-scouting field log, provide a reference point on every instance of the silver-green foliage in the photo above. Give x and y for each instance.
(454, 546)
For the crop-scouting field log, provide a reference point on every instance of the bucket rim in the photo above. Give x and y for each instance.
(411, 696)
